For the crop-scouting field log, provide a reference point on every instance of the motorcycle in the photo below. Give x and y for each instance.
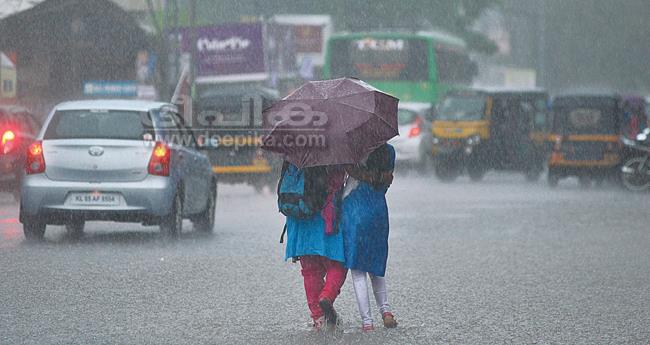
(636, 169)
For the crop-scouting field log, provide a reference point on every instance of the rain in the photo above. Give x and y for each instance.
(324, 172)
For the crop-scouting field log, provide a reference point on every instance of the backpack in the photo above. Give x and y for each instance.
(301, 192)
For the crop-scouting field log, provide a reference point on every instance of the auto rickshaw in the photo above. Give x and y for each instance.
(586, 138)
(480, 130)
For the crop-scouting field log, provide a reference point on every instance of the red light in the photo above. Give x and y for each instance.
(35, 162)
(415, 131)
(417, 127)
(160, 158)
(8, 138)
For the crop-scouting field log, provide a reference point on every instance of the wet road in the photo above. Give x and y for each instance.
(496, 262)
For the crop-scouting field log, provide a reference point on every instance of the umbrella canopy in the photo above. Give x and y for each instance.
(339, 121)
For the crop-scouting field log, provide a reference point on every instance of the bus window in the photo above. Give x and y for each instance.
(454, 67)
(380, 59)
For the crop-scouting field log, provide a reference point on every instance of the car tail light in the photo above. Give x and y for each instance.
(35, 162)
(8, 141)
(416, 129)
(160, 158)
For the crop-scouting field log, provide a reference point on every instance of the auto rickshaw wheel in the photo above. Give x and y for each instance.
(446, 173)
(476, 172)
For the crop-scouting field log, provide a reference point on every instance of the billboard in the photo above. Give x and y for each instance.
(309, 38)
(227, 52)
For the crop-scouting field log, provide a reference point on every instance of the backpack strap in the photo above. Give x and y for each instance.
(338, 213)
(284, 231)
(285, 166)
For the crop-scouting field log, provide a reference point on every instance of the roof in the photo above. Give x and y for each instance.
(498, 92)
(11, 7)
(6, 62)
(216, 90)
(303, 19)
(499, 89)
(112, 104)
(415, 106)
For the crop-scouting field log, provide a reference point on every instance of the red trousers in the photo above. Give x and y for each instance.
(323, 279)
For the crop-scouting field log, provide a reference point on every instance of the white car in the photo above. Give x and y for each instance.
(412, 146)
(129, 161)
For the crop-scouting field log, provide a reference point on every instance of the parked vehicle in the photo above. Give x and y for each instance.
(228, 118)
(127, 161)
(480, 130)
(413, 145)
(636, 169)
(17, 130)
(586, 138)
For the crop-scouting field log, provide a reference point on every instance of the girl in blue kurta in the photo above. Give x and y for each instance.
(319, 248)
(365, 231)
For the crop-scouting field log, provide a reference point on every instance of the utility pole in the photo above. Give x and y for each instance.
(193, 37)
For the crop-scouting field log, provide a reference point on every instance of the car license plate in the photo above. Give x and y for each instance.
(95, 199)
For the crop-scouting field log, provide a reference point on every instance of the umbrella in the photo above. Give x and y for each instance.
(339, 121)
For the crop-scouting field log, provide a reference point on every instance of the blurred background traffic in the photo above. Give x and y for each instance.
(476, 79)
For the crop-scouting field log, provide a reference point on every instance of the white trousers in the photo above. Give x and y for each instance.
(360, 283)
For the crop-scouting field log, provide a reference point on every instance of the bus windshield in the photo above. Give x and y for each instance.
(461, 108)
(380, 59)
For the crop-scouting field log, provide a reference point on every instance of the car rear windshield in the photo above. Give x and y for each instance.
(406, 117)
(98, 124)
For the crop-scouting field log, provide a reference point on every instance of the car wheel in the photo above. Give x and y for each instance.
(205, 221)
(424, 166)
(553, 179)
(172, 224)
(585, 181)
(75, 228)
(34, 231)
(16, 193)
(533, 174)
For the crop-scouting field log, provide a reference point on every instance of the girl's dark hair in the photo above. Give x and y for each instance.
(379, 161)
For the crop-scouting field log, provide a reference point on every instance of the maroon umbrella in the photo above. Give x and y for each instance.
(339, 121)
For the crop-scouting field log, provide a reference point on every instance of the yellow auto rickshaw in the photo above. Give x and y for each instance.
(480, 130)
(586, 138)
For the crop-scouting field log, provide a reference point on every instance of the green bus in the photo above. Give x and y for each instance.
(414, 67)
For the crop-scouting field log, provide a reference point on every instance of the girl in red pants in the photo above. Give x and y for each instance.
(319, 247)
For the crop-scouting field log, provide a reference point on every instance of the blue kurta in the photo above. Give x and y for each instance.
(364, 225)
(307, 237)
